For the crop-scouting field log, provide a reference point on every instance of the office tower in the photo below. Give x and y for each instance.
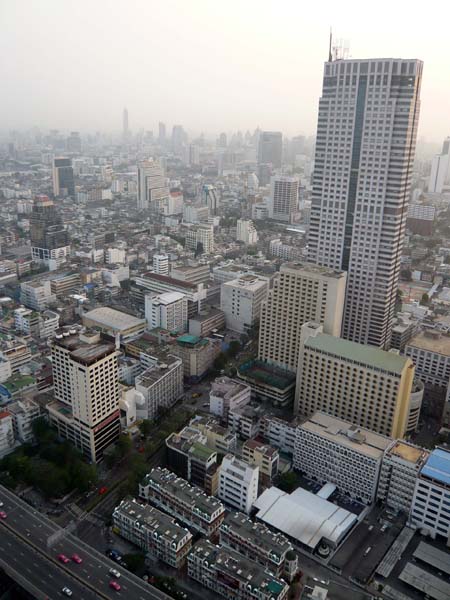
(50, 242)
(167, 311)
(440, 169)
(179, 138)
(270, 148)
(63, 182)
(125, 123)
(74, 142)
(222, 141)
(161, 264)
(161, 133)
(283, 200)
(86, 389)
(241, 301)
(201, 239)
(152, 187)
(210, 198)
(367, 386)
(246, 232)
(238, 483)
(366, 138)
(301, 292)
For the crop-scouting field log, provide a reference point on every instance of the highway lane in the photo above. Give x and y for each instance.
(93, 571)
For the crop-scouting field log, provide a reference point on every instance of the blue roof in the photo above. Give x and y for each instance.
(438, 466)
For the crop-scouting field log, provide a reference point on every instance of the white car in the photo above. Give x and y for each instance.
(115, 573)
(67, 591)
(1, 503)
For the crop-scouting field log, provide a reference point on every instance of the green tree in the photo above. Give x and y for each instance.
(82, 476)
(288, 482)
(123, 445)
(220, 362)
(233, 348)
(135, 561)
(145, 427)
(42, 431)
(424, 301)
(50, 479)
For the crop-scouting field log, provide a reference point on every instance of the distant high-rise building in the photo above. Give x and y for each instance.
(161, 133)
(246, 232)
(161, 264)
(210, 198)
(440, 169)
(270, 148)
(179, 139)
(366, 138)
(283, 198)
(50, 242)
(300, 293)
(74, 142)
(152, 187)
(125, 122)
(63, 182)
(222, 141)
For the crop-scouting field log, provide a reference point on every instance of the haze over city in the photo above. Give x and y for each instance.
(209, 65)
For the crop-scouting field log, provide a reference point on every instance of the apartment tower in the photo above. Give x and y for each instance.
(152, 188)
(366, 139)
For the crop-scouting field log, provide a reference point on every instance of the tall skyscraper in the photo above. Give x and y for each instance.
(152, 189)
(440, 169)
(283, 198)
(210, 198)
(179, 139)
(63, 182)
(125, 122)
(50, 243)
(270, 148)
(73, 143)
(300, 293)
(366, 138)
(162, 133)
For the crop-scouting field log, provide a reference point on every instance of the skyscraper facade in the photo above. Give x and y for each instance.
(210, 198)
(152, 188)
(440, 169)
(125, 122)
(270, 148)
(283, 198)
(366, 138)
(50, 243)
(161, 132)
(63, 182)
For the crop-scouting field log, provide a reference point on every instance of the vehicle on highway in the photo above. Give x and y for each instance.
(102, 490)
(115, 573)
(196, 395)
(1, 503)
(77, 559)
(114, 554)
(114, 585)
(367, 550)
(205, 405)
(67, 591)
(63, 558)
(3, 515)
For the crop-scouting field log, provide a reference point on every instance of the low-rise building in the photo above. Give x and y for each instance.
(16, 352)
(114, 323)
(218, 438)
(7, 441)
(238, 483)
(430, 510)
(167, 311)
(153, 531)
(255, 541)
(227, 394)
(24, 412)
(161, 385)
(183, 501)
(231, 575)
(245, 421)
(207, 322)
(332, 450)
(36, 295)
(5, 369)
(279, 433)
(197, 354)
(263, 456)
(399, 470)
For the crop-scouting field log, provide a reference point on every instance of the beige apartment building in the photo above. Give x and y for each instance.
(361, 384)
(302, 292)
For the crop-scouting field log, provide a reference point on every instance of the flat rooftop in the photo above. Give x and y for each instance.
(154, 373)
(256, 533)
(437, 466)
(311, 268)
(347, 434)
(412, 454)
(113, 319)
(424, 581)
(264, 374)
(438, 343)
(169, 280)
(367, 356)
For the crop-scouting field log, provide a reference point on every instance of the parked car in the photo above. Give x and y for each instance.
(77, 559)
(66, 591)
(63, 558)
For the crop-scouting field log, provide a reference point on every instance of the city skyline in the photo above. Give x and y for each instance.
(82, 80)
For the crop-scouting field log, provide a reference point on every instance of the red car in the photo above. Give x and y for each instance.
(102, 490)
(63, 558)
(3, 515)
(114, 585)
(77, 559)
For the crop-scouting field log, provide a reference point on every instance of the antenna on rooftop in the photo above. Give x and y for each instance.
(330, 56)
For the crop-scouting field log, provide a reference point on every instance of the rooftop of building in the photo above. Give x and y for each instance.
(211, 424)
(144, 515)
(166, 298)
(239, 567)
(206, 315)
(433, 341)
(248, 282)
(260, 447)
(190, 441)
(113, 319)
(368, 356)
(256, 533)
(232, 463)
(26, 405)
(152, 374)
(311, 268)
(437, 466)
(408, 452)
(184, 492)
(190, 340)
(225, 387)
(18, 382)
(264, 374)
(169, 280)
(84, 347)
(346, 434)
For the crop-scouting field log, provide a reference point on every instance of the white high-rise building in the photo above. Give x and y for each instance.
(161, 264)
(440, 169)
(283, 198)
(152, 189)
(246, 232)
(301, 292)
(238, 483)
(168, 311)
(86, 389)
(241, 301)
(201, 234)
(366, 138)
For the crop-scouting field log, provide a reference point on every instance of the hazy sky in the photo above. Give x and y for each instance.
(210, 65)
